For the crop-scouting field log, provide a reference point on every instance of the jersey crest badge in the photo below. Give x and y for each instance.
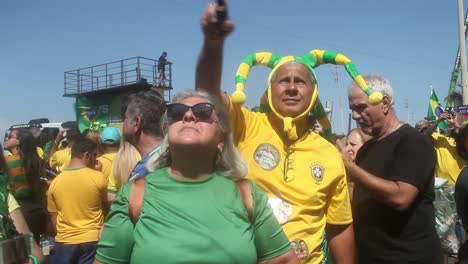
(267, 156)
(317, 172)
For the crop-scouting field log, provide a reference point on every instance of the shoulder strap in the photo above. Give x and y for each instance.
(136, 199)
(246, 195)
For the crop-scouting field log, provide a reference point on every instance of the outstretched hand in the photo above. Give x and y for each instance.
(214, 29)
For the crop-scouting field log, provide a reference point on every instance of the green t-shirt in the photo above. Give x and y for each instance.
(191, 222)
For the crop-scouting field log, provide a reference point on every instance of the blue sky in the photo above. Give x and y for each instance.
(412, 43)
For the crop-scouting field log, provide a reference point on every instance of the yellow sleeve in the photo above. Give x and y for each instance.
(106, 166)
(12, 203)
(40, 152)
(242, 120)
(51, 206)
(339, 206)
(103, 188)
(53, 160)
(111, 185)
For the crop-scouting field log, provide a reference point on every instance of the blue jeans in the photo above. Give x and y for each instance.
(73, 253)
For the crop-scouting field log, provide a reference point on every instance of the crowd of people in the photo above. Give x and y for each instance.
(203, 179)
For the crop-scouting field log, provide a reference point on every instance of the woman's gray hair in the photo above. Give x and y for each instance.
(228, 161)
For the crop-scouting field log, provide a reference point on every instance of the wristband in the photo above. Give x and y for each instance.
(34, 259)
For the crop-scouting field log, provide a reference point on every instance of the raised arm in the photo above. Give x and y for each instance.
(210, 62)
(432, 127)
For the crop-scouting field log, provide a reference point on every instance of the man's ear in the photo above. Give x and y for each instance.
(138, 122)
(386, 104)
(86, 155)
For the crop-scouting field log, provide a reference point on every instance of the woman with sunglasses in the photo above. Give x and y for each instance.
(25, 170)
(193, 210)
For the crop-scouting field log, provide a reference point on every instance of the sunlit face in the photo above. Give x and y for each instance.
(11, 140)
(353, 143)
(190, 131)
(291, 89)
(369, 117)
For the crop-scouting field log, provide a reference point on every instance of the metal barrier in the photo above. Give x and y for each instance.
(117, 74)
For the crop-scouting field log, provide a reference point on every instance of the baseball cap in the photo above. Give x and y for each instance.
(110, 136)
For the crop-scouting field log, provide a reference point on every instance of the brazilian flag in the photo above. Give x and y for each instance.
(89, 114)
(435, 109)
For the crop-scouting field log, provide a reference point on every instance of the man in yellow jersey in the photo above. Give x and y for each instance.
(60, 158)
(110, 142)
(301, 172)
(77, 203)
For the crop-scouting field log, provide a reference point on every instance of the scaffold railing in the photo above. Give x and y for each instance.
(117, 74)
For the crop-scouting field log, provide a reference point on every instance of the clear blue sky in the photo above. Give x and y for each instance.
(412, 43)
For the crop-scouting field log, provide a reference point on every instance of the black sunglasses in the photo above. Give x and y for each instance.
(202, 111)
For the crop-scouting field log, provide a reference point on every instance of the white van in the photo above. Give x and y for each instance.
(48, 130)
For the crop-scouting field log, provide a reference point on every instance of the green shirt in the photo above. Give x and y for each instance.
(191, 222)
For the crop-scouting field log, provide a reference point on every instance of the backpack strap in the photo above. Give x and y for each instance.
(136, 199)
(246, 195)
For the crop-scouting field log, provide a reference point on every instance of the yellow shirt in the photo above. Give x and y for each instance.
(12, 203)
(112, 183)
(305, 182)
(40, 152)
(449, 163)
(78, 196)
(60, 160)
(106, 161)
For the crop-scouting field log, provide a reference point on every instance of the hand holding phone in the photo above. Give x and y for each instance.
(221, 14)
(215, 21)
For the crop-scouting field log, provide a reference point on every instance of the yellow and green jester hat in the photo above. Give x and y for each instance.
(311, 60)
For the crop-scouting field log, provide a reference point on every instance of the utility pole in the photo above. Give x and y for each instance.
(463, 65)
(339, 93)
(406, 106)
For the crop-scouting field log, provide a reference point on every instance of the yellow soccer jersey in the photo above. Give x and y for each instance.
(78, 196)
(449, 163)
(106, 161)
(112, 186)
(60, 160)
(305, 182)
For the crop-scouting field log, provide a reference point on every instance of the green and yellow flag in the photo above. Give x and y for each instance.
(435, 109)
